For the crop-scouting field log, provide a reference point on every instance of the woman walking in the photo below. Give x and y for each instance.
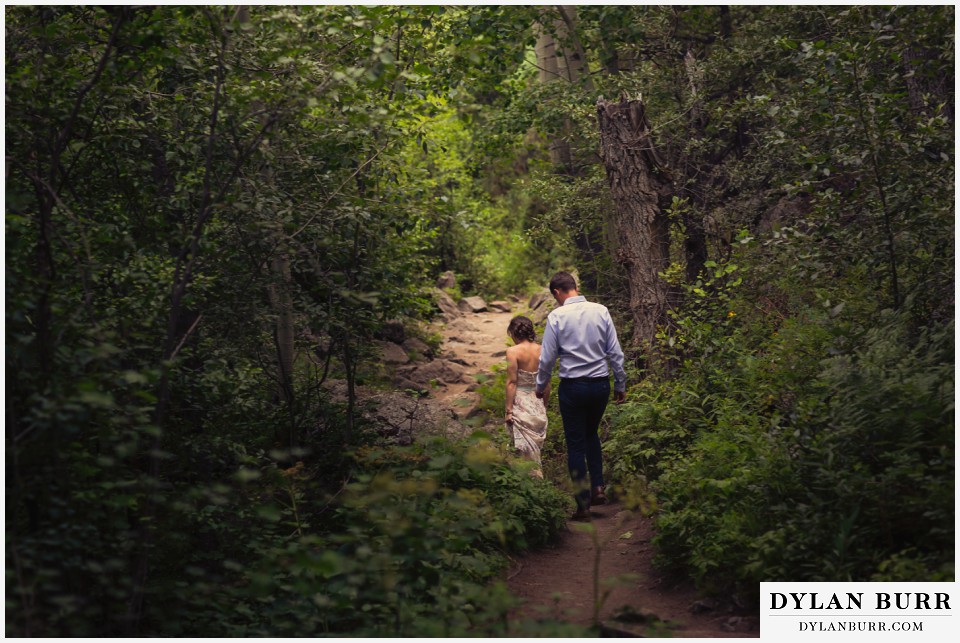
(526, 415)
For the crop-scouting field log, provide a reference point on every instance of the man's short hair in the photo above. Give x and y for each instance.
(563, 281)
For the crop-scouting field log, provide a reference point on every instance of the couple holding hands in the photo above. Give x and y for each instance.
(582, 335)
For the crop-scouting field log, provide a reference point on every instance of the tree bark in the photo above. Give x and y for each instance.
(561, 56)
(638, 181)
(281, 300)
(573, 62)
(548, 71)
(695, 243)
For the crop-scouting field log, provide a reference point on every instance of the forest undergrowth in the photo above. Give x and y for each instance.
(212, 213)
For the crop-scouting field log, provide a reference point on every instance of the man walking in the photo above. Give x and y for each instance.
(583, 336)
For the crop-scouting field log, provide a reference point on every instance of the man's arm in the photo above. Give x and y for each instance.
(548, 357)
(615, 356)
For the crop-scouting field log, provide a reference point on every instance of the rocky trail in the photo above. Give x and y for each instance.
(610, 557)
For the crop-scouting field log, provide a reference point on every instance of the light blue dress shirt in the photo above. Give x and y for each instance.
(582, 335)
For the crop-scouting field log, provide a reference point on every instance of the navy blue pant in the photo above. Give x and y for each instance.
(582, 403)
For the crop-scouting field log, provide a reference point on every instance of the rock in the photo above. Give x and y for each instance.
(514, 299)
(539, 298)
(540, 306)
(502, 306)
(420, 347)
(472, 305)
(541, 313)
(405, 384)
(461, 325)
(499, 354)
(394, 354)
(630, 614)
(465, 407)
(705, 605)
(446, 305)
(400, 417)
(447, 280)
(539, 316)
(392, 331)
(397, 415)
(440, 371)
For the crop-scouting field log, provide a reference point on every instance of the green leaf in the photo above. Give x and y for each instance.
(97, 398)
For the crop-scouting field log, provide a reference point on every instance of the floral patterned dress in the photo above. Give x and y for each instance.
(529, 419)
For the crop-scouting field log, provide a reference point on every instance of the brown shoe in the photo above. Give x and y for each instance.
(597, 497)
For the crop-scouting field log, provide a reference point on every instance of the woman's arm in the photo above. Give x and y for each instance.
(512, 367)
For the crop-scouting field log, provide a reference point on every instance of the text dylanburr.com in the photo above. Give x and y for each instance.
(800, 611)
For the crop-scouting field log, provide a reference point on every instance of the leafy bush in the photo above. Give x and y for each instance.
(826, 453)
(411, 547)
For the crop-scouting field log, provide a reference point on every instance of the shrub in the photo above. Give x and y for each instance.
(412, 546)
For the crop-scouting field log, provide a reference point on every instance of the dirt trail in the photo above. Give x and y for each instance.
(558, 583)
(478, 341)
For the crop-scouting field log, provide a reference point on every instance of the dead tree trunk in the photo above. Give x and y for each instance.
(638, 180)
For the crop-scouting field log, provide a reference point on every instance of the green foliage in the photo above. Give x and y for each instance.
(821, 451)
(481, 236)
(805, 434)
(410, 547)
(186, 179)
(192, 191)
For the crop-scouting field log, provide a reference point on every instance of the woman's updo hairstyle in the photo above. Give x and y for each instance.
(521, 328)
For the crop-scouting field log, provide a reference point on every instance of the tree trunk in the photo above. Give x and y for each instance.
(573, 61)
(695, 243)
(281, 300)
(561, 56)
(547, 64)
(637, 182)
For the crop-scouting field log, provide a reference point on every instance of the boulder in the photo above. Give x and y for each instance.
(538, 298)
(392, 331)
(440, 371)
(404, 384)
(502, 306)
(472, 305)
(541, 313)
(447, 280)
(447, 306)
(465, 407)
(540, 306)
(393, 353)
(418, 346)
(705, 605)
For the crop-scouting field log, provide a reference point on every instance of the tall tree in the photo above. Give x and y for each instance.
(638, 182)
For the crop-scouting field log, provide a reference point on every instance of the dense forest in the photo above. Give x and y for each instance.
(214, 213)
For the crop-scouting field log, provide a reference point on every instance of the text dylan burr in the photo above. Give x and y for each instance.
(854, 600)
